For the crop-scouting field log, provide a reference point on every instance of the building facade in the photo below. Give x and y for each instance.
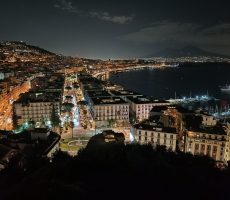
(141, 106)
(36, 107)
(207, 143)
(110, 112)
(151, 134)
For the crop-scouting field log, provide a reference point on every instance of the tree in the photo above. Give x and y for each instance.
(43, 123)
(84, 112)
(67, 106)
(76, 86)
(55, 120)
(68, 97)
(68, 88)
(31, 123)
(111, 122)
(82, 103)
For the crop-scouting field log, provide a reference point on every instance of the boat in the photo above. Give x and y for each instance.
(225, 88)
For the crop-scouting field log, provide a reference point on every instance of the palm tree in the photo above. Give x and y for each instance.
(55, 120)
(67, 106)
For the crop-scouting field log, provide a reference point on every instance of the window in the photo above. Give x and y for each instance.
(214, 150)
(202, 149)
(208, 150)
(145, 133)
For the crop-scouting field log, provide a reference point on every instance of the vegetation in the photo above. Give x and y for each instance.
(55, 120)
(119, 172)
(111, 122)
(84, 112)
(68, 88)
(82, 103)
(69, 97)
(67, 106)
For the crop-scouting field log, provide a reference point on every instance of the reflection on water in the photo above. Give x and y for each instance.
(184, 81)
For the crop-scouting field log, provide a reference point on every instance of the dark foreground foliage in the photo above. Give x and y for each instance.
(119, 172)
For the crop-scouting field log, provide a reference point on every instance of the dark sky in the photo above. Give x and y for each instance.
(117, 28)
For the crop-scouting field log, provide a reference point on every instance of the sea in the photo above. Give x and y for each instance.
(187, 80)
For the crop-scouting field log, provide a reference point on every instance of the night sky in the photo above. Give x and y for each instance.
(117, 28)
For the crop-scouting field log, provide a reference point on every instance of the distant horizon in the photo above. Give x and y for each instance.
(117, 29)
(119, 58)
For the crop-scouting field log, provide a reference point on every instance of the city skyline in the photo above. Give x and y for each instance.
(116, 29)
(114, 99)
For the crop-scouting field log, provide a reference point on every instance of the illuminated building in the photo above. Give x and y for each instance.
(8, 94)
(152, 134)
(141, 106)
(210, 141)
(109, 111)
(208, 120)
(37, 107)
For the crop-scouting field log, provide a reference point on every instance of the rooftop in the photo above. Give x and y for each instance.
(159, 108)
(216, 130)
(108, 100)
(145, 100)
(34, 96)
(124, 93)
(98, 93)
(13, 140)
(180, 109)
(149, 127)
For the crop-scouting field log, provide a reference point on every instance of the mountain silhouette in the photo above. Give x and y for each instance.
(187, 51)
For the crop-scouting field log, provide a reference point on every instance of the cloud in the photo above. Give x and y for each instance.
(223, 29)
(104, 16)
(66, 5)
(183, 33)
(161, 31)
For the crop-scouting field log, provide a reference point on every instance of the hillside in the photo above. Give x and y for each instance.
(22, 47)
(119, 172)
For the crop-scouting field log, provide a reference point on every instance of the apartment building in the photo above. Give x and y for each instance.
(152, 134)
(209, 141)
(109, 111)
(140, 106)
(37, 107)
